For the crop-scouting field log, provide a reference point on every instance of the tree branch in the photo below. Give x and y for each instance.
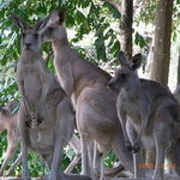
(115, 4)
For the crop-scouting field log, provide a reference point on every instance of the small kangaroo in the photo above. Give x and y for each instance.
(8, 121)
(94, 102)
(46, 118)
(150, 109)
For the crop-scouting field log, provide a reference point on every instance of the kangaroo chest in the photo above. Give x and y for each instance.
(31, 82)
(131, 108)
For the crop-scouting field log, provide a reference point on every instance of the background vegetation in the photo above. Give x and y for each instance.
(94, 31)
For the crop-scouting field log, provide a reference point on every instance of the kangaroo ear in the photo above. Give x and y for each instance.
(41, 24)
(58, 17)
(136, 61)
(20, 23)
(123, 59)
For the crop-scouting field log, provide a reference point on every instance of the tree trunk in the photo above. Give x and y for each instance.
(149, 61)
(159, 69)
(178, 70)
(126, 27)
(125, 8)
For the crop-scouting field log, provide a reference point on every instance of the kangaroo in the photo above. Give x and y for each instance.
(45, 118)
(8, 121)
(150, 109)
(94, 102)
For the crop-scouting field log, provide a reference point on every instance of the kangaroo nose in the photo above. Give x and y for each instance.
(28, 45)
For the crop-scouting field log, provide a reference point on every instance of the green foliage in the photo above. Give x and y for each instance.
(139, 40)
(3, 144)
(145, 11)
(110, 159)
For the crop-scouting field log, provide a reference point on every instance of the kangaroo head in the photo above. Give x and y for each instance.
(127, 74)
(55, 29)
(31, 40)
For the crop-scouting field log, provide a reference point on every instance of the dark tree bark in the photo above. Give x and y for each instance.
(159, 67)
(178, 70)
(126, 27)
(125, 8)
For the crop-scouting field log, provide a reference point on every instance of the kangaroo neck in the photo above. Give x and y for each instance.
(29, 56)
(134, 89)
(59, 44)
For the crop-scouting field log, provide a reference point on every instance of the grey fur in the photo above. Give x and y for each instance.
(46, 118)
(151, 110)
(93, 101)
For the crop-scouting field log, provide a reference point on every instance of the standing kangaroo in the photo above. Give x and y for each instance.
(94, 102)
(8, 121)
(149, 108)
(46, 115)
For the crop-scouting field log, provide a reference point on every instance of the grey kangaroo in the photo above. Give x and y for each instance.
(150, 109)
(46, 118)
(93, 101)
(8, 121)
